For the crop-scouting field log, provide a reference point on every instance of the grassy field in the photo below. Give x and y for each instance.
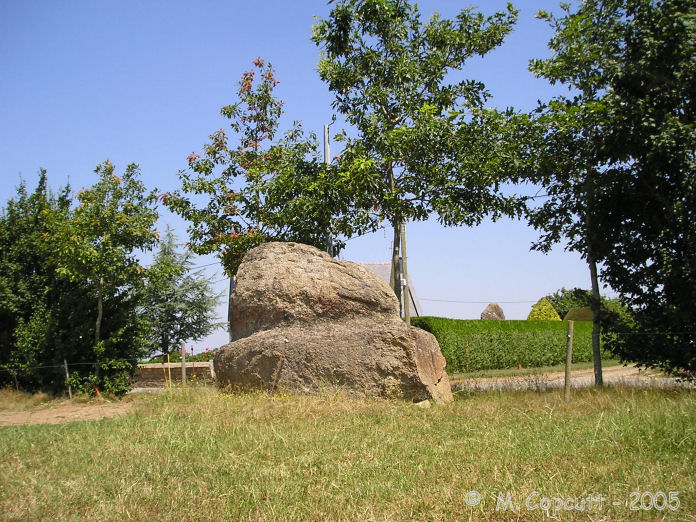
(200, 454)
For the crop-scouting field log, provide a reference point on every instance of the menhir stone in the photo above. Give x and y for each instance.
(493, 311)
(304, 321)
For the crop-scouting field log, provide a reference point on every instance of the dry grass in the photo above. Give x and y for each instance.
(19, 401)
(200, 454)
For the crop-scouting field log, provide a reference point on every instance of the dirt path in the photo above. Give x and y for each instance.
(64, 411)
(612, 375)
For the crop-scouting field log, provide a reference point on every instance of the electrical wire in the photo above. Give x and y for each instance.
(474, 302)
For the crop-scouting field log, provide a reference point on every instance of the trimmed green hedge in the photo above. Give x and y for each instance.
(471, 345)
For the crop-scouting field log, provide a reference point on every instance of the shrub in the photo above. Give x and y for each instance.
(614, 315)
(471, 345)
(543, 311)
(579, 314)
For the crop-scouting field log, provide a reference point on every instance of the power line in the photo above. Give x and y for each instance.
(474, 302)
(203, 266)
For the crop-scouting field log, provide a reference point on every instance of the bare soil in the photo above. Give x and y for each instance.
(58, 412)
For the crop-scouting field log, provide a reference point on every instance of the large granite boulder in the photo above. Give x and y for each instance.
(306, 322)
(493, 311)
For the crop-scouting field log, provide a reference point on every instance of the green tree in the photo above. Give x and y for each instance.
(179, 303)
(569, 160)
(422, 144)
(113, 221)
(249, 188)
(618, 162)
(45, 317)
(649, 208)
(564, 300)
(31, 298)
(613, 314)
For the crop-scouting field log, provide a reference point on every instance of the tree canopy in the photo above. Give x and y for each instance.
(248, 188)
(424, 143)
(70, 284)
(617, 162)
(179, 303)
(649, 203)
(568, 158)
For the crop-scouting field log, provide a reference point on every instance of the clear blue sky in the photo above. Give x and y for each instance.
(143, 82)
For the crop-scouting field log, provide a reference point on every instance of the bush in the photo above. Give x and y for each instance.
(579, 314)
(471, 345)
(613, 315)
(543, 311)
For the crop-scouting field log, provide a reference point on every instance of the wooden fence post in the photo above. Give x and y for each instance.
(183, 364)
(67, 378)
(569, 360)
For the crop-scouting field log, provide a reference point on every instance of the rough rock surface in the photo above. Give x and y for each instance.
(306, 322)
(493, 311)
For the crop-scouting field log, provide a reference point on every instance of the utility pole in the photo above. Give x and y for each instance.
(406, 292)
(327, 162)
(569, 360)
(229, 308)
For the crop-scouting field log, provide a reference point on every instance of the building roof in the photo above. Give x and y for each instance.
(383, 270)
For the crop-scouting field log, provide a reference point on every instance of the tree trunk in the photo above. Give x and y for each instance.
(595, 302)
(404, 274)
(595, 305)
(97, 326)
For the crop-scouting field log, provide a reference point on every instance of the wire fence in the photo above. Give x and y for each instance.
(110, 362)
(103, 364)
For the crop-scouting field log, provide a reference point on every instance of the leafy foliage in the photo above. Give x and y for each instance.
(564, 300)
(470, 345)
(619, 164)
(612, 312)
(543, 311)
(113, 220)
(179, 305)
(650, 206)
(424, 139)
(47, 317)
(568, 158)
(251, 188)
(423, 143)
(34, 306)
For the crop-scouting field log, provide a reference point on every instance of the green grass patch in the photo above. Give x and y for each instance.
(475, 345)
(201, 454)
